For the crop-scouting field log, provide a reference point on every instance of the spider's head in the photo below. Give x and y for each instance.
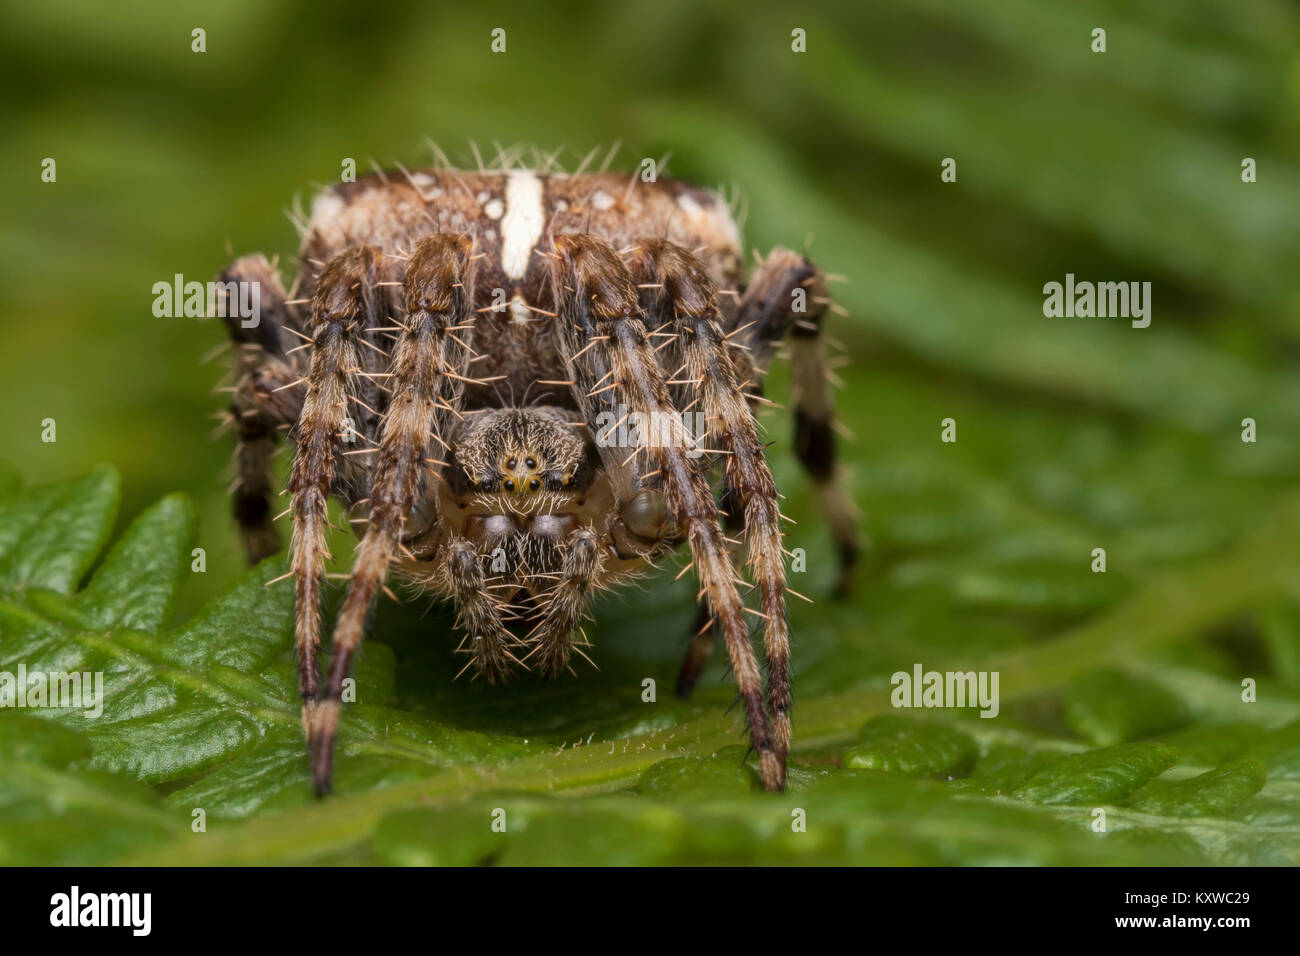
(526, 459)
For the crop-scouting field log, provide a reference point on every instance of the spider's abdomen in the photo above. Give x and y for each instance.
(512, 216)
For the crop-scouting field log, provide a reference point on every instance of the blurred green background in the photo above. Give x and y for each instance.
(1123, 165)
(1073, 433)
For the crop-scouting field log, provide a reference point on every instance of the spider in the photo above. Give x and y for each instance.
(425, 302)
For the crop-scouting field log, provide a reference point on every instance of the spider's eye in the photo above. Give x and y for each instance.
(512, 463)
(510, 485)
(534, 485)
(530, 462)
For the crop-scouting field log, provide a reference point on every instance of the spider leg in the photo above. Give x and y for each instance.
(601, 334)
(265, 397)
(251, 499)
(676, 287)
(478, 611)
(343, 300)
(769, 311)
(698, 652)
(701, 644)
(567, 603)
(439, 293)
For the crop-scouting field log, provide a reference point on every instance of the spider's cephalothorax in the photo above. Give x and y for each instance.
(525, 387)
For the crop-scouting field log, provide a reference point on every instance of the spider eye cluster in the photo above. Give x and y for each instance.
(525, 472)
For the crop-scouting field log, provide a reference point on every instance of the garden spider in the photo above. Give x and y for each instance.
(424, 298)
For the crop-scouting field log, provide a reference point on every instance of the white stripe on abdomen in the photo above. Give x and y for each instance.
(523, 222)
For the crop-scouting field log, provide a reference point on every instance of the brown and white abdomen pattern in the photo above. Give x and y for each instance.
(512, 216)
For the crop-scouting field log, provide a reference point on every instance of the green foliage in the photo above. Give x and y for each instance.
(903, 746)
(203, 716)
(1100, 776)
(1109, 706)
(1121, 691)
(1212, 793)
